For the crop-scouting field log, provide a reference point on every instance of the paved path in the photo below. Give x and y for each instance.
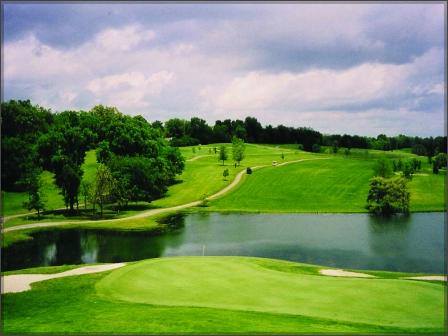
(198, 157)
(153, 212)
(22, 282)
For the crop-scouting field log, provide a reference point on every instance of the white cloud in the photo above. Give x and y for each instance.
(123, 39)
(129, 90)
(215, 69)
(320, 89)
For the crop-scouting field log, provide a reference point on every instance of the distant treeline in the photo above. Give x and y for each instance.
(197, 131)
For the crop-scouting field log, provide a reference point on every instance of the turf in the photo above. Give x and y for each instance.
(78, 304)
(241, 284)
(203, 176)
(338, 184)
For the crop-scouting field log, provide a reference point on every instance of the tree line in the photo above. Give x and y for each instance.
(196, 131)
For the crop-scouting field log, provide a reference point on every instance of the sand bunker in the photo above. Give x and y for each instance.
(428, 277)
(342, 273)
(22, 282)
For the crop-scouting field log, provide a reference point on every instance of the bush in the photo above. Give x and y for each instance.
(408, 170)
(315, 148)
(388, 196)
(248, 170)
(440, 160)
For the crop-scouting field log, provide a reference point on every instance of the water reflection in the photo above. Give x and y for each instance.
(358, 241)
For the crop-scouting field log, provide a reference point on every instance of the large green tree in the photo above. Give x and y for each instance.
(22, 123)
(388, 196)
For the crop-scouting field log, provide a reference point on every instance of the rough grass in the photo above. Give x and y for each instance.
(74, 304)
(338, 184)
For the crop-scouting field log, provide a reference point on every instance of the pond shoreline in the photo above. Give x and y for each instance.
(347, 241)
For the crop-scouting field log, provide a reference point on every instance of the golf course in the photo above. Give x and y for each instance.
(214, 168)
(229, 294)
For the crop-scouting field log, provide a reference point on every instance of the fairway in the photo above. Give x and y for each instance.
(236, 283)
(337, 184)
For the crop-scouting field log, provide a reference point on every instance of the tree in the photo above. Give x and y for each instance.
(283, 156)
(416, 164)
(435, 167)
(21, 125)
(248, 170)
(85, 191)
(225, 173)
(35, 199)
(104, 183)
(222, 154)
(103, 152)
(382, 168)
(347, 151)
(440, 160)
(419, 149)
(238, 149)
(408, 170)
(388, 196)
(335, 147)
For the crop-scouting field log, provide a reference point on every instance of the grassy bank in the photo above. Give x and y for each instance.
(224, 295)
(155, 224)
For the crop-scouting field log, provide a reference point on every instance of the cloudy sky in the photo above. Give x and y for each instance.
(339, 68)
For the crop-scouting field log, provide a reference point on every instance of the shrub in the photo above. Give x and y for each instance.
(315, 148)
(388, 196)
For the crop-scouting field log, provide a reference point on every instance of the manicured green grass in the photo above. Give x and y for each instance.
(338, 184)
(204, 175)
(223, 295)
(13, 201)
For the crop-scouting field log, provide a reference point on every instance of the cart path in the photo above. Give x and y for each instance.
(153, 212)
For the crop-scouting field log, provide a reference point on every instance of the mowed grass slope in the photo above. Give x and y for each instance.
(337, 184)
(203, 172)
(224, 295)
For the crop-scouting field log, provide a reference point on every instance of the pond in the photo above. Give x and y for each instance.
(357, 241)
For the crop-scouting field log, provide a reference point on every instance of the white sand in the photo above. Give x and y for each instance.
(22, 282)
(342, 273)
(429, 277)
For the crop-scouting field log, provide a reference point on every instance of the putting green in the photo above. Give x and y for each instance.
(252, 284)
